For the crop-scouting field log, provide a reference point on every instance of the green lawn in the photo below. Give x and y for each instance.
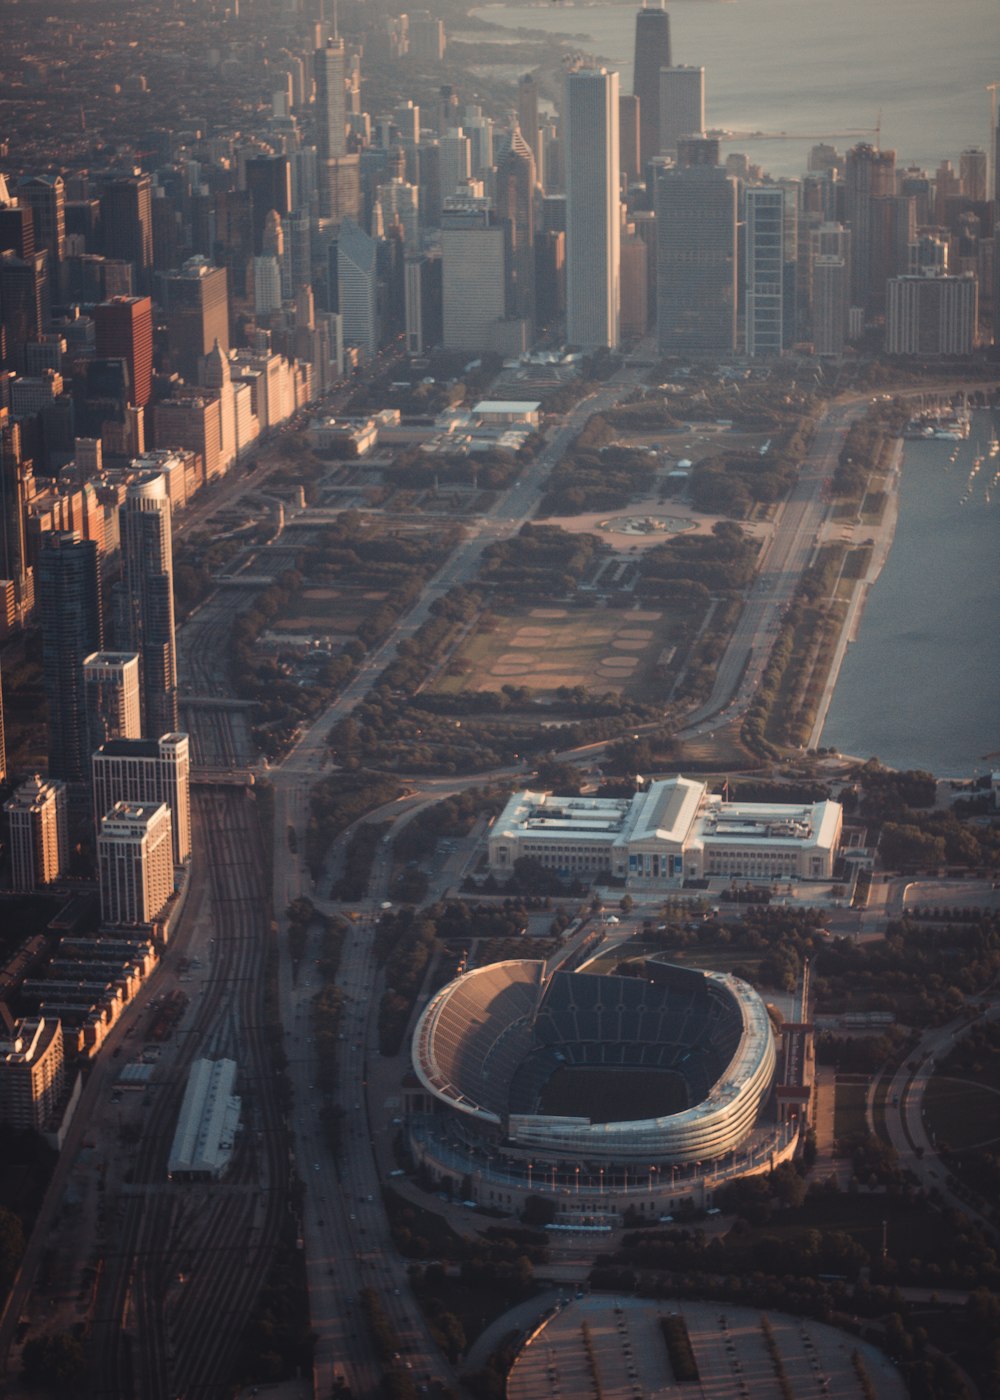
(849, 1110)
(962, 1113)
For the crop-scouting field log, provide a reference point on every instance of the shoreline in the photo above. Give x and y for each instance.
(885, 533)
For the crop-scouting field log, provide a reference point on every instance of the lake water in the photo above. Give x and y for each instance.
(814, 67)
(919, 687)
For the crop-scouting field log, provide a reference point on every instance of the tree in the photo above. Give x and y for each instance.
(58, 1361)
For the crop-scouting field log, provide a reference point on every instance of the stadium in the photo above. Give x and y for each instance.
(642, 1090)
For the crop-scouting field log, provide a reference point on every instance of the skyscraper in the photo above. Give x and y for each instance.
(148, 771)
(127, 224)
(148, 598)
(111, 697)
(527, 112)
(269, 184)
(69, 595)
(870, 175)
(45, 196)
(652, 52)
(682, 106)
(515, 193)
(593, 219)
(475, 263)
(696, 260)
(124, 328)
(196, 306)
(338, 171)
(764, 267)
(36, 815)
(357, 279)
(134, 863)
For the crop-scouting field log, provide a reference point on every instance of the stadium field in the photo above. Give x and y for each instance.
(613, 1095)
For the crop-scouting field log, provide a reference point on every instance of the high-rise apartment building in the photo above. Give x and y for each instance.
(147, 771)
(195, 303)
(36, 817)
(31, 1070)
(593, 212)
(764, 269)
(652, 52)
(682, 106)
(111, 697)
(68, 588)
(870, 176)
(696, 261)
(124, 331)
(135, 863)
(148, 598)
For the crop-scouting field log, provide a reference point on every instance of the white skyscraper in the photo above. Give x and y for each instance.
(135, 863)
(593, 220)
(111, 695)
(357, 276)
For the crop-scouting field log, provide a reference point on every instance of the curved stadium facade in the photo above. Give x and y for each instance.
(504, 1051)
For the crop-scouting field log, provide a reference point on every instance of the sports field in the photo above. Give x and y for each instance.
(613, 1095)
(545, 648)
(340, 610)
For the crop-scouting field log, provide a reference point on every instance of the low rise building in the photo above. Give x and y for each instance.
(208, 1123)
(676, 830)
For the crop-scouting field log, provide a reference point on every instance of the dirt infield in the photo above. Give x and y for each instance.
(546, 648)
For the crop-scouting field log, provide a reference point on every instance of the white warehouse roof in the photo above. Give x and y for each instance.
(209, 1116)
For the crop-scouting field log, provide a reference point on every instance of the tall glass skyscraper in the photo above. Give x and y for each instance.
(69, 594)
(148, 581)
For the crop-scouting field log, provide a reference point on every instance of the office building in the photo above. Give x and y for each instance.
(357, 278)
(628, 138)
(193, 421)
(45, 196)
(32, 1073)
(148, 599)
(475, 261)
(696, 261)
(972, 170)
(764, 269)
(932, 315)
(25, 300)
(127, 224)
(135, 863)
(36, 817)
(593, 215)
(111, 697)
(124, 331)
(515, 202)
(682, 106)
(830, 288)
(196, 308)
(338, 171)
(426, 38)
(68, 585)
(147, 771)
(870, 176)
(17, 227)
(527, 112)
(269, 185)
(652, 52)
